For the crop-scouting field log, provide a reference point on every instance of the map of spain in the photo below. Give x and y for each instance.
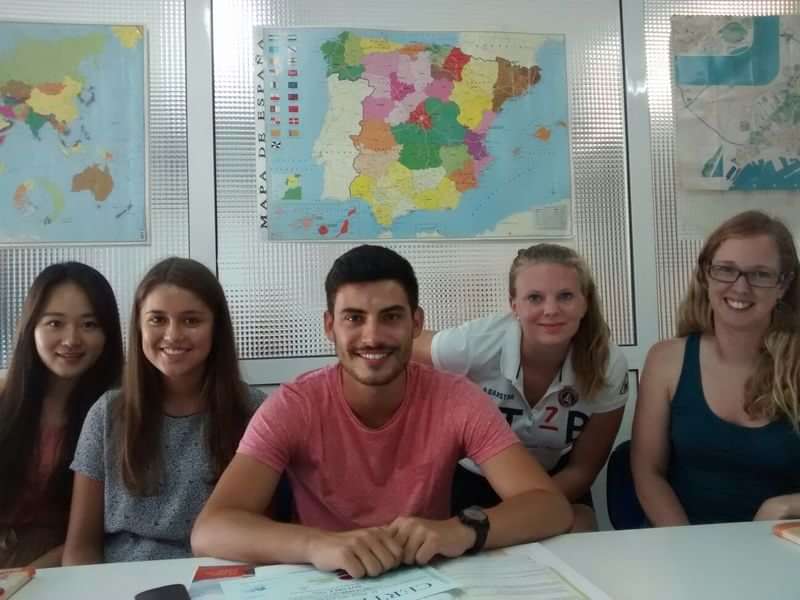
(414, 135)
(71, 133)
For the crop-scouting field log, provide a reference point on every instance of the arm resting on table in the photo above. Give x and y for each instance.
(232, 525)
(779, 507)
(51, 558)
(650, 440)
(532, 506)
(86, 532)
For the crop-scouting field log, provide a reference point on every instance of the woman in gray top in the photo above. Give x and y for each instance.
(149, 455)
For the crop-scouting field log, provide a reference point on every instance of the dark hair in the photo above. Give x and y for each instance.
(22, 399)
(139, 408)
(367, 263)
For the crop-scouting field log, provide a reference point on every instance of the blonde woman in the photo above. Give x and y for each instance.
(549, 367)
(715, 433)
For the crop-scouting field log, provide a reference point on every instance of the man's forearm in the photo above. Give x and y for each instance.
(528, 517)
(244, 536)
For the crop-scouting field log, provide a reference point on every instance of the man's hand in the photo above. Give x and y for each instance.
(422, 539)
(359, 552)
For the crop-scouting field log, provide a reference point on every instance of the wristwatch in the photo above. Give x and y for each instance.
(475, 518)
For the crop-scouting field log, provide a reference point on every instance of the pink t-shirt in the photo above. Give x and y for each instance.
(345, 475)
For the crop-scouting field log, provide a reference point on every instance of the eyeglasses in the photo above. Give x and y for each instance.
(758, 278)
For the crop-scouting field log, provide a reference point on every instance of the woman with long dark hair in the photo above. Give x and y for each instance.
(149, 456)
(68, 352)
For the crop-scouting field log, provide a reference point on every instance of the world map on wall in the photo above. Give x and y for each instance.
(369, 134)
(72, 133)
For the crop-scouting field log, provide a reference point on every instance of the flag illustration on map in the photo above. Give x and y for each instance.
(412, 134)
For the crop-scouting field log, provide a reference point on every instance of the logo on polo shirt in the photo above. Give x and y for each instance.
(567, 396)
(498, 395)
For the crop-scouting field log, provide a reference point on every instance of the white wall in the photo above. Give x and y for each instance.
(202, 185)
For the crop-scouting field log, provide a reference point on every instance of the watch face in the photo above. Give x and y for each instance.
(474, 514)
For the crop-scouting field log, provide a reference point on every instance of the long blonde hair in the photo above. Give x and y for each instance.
(773, 389)
(590, 344)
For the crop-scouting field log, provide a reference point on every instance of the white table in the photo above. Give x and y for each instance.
(738, 561)
(741, 561)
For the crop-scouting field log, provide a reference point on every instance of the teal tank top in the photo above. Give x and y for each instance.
(722, 472)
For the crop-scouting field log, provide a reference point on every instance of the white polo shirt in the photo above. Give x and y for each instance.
(487, 351)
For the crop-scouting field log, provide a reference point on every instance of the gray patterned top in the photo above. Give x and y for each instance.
(150, 527)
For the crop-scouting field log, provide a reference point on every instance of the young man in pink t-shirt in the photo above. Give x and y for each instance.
(370, 446)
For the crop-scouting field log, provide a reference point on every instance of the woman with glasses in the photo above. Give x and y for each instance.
(715, 436)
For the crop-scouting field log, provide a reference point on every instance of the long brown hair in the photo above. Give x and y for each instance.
(774, 389)
(590, 344)
(139, 409)
(22, 399)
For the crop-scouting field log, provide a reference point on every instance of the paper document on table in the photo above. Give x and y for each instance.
(309, 584)
(11, 580)
(529, 572)
(207, 580)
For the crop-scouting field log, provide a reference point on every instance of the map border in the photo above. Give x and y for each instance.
(263, 176)
(146, 239)
(698, 211)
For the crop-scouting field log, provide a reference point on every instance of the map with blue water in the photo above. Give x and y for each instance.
(367, 134)
(736, 96)
(72, 134)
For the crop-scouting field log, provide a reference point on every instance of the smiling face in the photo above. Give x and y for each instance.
(549, 304)
(177, 332)
(373, 329)
(739, 305)
(68, 336)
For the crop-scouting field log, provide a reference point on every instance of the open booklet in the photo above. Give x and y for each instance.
(529, 572)
(13, 579)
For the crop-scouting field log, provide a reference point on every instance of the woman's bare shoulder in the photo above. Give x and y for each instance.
(668, 349)
(664, 360)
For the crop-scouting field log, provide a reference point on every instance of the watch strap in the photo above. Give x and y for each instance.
(479, 526)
